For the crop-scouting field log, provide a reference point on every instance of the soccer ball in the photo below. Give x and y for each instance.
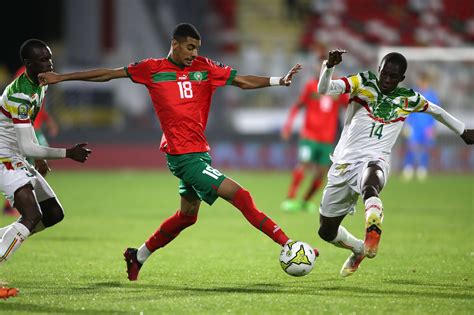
(297, 258)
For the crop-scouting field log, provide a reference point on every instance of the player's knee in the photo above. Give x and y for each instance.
(188, 219)
(370, 191)
(53, 213)
(326, 234)
(53, 217)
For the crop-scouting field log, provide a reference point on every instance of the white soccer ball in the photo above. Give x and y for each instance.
(297, 258)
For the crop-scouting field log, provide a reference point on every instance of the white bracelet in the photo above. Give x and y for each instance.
(275, 80)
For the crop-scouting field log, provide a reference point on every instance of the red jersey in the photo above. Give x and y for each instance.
(182, 98)
(322, 113)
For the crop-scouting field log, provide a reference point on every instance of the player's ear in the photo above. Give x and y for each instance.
(27, 62)
(174, 43)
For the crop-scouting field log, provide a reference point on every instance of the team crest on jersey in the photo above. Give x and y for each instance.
(23, 110)
(197, 76)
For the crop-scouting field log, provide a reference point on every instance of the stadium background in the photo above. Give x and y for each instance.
(261, 37)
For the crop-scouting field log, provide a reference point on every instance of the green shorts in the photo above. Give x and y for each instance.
(197, 177)
(316, 152)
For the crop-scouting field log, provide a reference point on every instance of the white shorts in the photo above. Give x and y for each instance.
(16, 173)
(344, 187)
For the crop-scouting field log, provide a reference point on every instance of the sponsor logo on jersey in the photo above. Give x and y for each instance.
(23, 111)
(183, 77)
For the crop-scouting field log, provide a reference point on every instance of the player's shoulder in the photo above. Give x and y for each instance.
(21, 89)
(148, 62)
(364, 76)
(207, 62)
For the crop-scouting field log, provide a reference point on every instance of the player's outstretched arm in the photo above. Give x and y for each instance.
(96, 75)
(247, 82)
(29, 148)
(468, 136)
(326, 85)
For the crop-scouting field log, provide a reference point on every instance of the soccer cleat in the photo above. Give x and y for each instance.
(351, 264)
(373, 231)
(291, 205)
(309, 207)
(316, 252)
(5, 293)
(133, 266)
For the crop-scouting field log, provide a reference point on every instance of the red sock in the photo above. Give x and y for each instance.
(169, 229)
(298, 176)
(244, 202)
(313, 189)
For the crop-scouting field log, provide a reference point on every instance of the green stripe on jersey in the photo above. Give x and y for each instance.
(164, 76)
(198, 76)
(231, 77)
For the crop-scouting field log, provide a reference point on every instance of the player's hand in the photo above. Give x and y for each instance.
(46, 78)
(286, 80)
(42, 167)
(78, 153)
(468, 136)
(335, 57)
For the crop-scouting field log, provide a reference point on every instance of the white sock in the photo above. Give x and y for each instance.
(3, 230)
(12, 239)
(344, 239)
(374, 204)
(143, 253)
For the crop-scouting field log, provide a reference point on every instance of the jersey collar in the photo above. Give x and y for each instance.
(174, 62)
(28, 78)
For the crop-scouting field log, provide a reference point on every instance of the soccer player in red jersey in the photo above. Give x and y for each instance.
(317, 136)
(181, 88)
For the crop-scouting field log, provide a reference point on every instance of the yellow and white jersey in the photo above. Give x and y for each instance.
(19, 104)
(374, 120)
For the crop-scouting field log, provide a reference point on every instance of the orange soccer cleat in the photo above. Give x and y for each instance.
(5, 293)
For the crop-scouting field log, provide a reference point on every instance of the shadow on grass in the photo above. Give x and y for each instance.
(13, 305)
(427, 284)
(307, 288)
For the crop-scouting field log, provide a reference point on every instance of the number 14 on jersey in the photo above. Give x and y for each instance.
(376, 130)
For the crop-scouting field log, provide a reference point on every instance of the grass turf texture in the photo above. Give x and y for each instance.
(222, 264)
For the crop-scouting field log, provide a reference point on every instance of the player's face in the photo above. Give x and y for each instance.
(185, 51)
(389, 76)
(41, 61)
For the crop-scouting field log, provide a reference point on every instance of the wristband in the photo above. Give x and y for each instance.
(275, 80)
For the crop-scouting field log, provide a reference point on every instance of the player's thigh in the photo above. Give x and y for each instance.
(202, 178)
(323, 154)
(377, 169)
(305, 151)
(11, 179)
(338, 197)
(42, 189)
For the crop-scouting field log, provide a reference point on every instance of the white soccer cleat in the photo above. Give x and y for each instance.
(351, 264)
(373, 231)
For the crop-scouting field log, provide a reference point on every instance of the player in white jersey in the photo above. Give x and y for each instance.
(20, 182)
(375, 115)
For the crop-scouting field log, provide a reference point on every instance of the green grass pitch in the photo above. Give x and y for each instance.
(223, 265)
